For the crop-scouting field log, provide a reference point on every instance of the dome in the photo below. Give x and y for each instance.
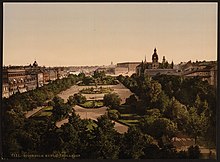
(35, 63)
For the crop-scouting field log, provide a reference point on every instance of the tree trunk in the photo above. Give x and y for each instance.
(195, 140)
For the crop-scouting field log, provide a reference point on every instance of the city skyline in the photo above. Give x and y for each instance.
(68, 34)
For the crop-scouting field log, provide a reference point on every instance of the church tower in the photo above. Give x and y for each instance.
(155, 63)
(164, 60)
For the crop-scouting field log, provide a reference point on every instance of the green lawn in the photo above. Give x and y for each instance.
(92, 104)
(129, 118)
(127, 115)
(91, 125)
(47, 108)
(98, 90)
(129, 122)
(46, 111)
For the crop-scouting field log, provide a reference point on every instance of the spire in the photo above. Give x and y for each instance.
(172, 64)
(145, 59)
(155, 50)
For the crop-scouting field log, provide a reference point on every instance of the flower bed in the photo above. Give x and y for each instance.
(92, 104)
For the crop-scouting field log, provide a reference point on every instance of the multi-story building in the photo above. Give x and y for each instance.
(31, 81)
(126, 68)
(40, 79)
(61, 73)
(46, 75)
(109, 70)
(34, 76)
(52, 74)
(5, 90)
(131, 66)
(213, 75)
(15, 78)
(207, 70)
(25, 78)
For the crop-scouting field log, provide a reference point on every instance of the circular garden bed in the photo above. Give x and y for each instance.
(92, 104)
(98, 90)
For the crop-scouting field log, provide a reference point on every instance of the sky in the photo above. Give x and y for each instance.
(75, 34)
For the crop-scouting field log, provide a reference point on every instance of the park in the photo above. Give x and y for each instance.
(134, 107)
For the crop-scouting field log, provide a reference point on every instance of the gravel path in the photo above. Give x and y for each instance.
(32, 112)
(90, 113)
(93, 114)
(59, 123)
(120, 89)
(84, 113)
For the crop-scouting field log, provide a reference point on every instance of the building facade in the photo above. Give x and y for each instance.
(207, 70)
(155, 67)
(126, 68)
(14, 79)
(25, 78)
(5, 90)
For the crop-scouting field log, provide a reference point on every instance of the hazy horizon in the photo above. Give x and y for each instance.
(75, 34)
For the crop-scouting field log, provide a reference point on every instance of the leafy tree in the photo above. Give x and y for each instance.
(162, 102)
(75, 121)
(154, 92)
(12, 123)
(105, 142)
(112, 100)
(151, 151)
(88, 80)
(99, 74)
(170, 84)
(153, 113)
(197, 124)
(60, 109)
(197, 102)
(194, 152)
(70, 138)
(113, 114)
(163, 126)
(80, 99)
(158, 127)
(168, 151)
(10, 146)
(71, 101)
(81, 75)
(134, 144)
(132, 100)
(51, 141)
(182, 155)
(86, 135)
(201, 106)
(175, 110)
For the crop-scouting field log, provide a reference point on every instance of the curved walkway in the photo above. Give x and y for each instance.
(93, 114)
(32, 112)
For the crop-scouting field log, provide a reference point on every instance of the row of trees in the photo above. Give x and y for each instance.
(163, 116)
(98, 78)
(38, 97)
(24, 134)
(189, 103)
(76, 140)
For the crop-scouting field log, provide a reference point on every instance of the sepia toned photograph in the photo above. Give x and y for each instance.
(109, 80)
